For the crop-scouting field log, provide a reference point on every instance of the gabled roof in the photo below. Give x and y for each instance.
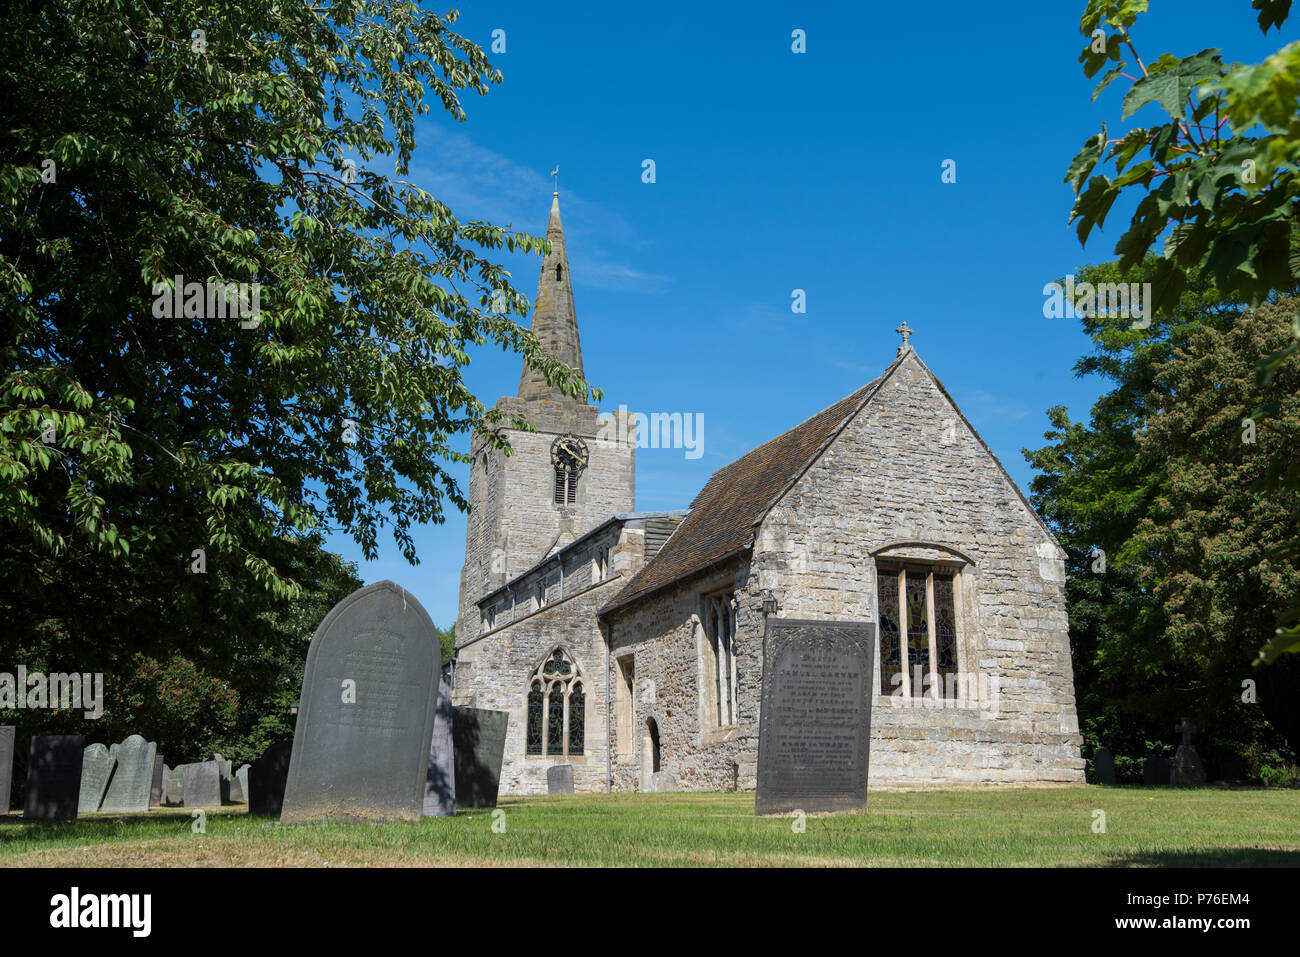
(738, 496)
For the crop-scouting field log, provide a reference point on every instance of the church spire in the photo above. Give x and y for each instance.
(554, 321)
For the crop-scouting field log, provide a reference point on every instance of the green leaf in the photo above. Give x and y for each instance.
(1086, 159)
(1172, 87)
(1272, 13)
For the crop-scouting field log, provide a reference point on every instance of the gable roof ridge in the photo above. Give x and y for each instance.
(996, 461)
(871, 390)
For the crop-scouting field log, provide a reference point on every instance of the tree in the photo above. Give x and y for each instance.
(146, 441)
(1220, 184)
(1105, 488)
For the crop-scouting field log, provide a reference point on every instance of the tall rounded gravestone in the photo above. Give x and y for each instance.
(361, 744)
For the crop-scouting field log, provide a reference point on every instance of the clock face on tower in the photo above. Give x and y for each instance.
(569, 452)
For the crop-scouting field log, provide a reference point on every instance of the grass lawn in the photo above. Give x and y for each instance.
(1031, 827)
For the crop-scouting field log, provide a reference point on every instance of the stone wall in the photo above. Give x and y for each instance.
(907, 478)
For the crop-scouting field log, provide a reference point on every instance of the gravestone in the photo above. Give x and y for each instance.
(559, 779)
(8, 733)
(815, 717)
(662, 782)
(440, 780)
(1156, 770)
(1187, 771)
(240, 781)
(129, 789)
(202, 784)
(479, 739)
(1103, 763)
(156, 787)
(266, 779)
(365, 718)
(173, 787)
(54, 777)
(96, 770)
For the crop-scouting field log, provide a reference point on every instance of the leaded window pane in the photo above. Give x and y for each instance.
(555, 721)
(918, 626)
(577, 719)
(890, 663)
(535, 719)
(945, 623)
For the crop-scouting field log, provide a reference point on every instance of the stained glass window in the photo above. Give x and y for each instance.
(945, 629)
(577, 719)
(918, 624)
(905, 646)
(556, 690)
(890, 663)
(535, 718)
(555, 719)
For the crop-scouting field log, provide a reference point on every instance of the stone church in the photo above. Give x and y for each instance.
(628, 644)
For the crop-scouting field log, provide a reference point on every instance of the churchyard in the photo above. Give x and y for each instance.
(1048, 827)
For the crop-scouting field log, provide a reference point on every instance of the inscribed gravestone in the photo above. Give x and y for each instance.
(240, 781)
(815, 718)
(1156, 771)
(365, 719)
(266, 779)
(173, 787)
(479, 738)
(1103, 763)
(54, 777)
(129, 789)
(8, 733)
(559, 779)
(96, 770)
(202, 785)
(440, 781)
(156, 786)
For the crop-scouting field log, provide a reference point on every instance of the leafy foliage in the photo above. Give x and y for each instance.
(1109, 487)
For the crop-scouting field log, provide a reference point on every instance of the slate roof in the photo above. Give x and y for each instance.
(738, 496)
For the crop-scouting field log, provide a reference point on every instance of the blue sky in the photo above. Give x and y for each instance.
(774, 171)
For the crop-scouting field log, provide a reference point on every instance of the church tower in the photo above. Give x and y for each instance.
(566, 478)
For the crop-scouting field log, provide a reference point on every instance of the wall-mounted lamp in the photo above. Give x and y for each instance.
(770, 607)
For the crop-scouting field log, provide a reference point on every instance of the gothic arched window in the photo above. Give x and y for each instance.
(918, 630)
(557, 712)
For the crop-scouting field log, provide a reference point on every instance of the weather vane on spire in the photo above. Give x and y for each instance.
(556, 173)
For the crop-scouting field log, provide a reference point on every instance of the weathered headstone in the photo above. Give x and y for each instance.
(266, 779)
(156, 787)
(54, 777)
(129, 789)
(1156, 771)
(815, 718)
(239, 784)
(662, 782)
(96, 771)
(1103, 763)
(559, 779)
(8, 733)
(173, 787)
(365, 719)
(202, 784)
(1187, 770)
(440, 780)
(479, 738)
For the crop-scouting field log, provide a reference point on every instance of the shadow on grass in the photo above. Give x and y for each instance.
(1219, 857)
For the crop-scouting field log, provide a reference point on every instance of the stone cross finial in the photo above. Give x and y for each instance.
(904, 330)
(1185, 728)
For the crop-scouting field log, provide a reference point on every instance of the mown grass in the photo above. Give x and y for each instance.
(1031, 827)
